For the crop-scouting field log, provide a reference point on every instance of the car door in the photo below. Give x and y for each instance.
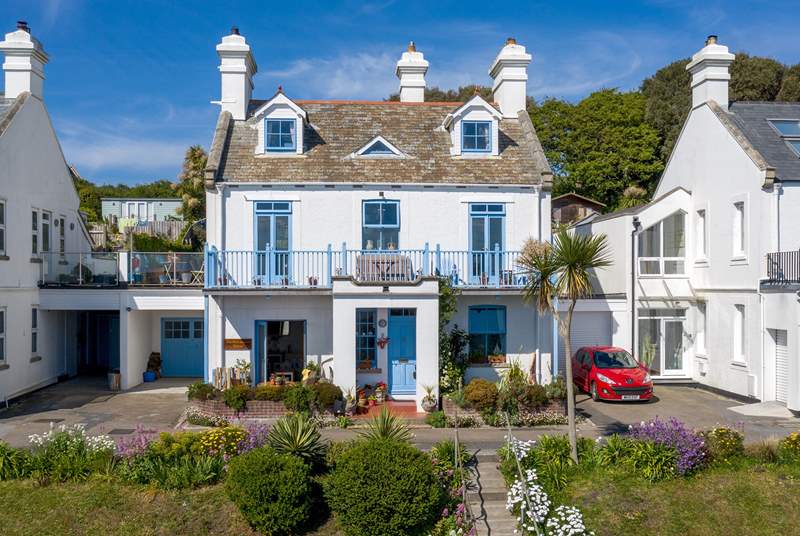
(577, 368)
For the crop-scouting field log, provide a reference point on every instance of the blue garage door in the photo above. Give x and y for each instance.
(182, 347)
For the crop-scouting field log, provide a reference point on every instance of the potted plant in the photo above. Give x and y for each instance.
(372, 400)
(362, 398)
(242, 369)
(380, 392)
(349, 402)
(430, 401)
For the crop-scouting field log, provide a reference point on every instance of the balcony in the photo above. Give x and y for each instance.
(116, 269)
(783, 267)
(244, 269)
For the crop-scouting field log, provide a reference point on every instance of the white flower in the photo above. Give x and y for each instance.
(530, 499)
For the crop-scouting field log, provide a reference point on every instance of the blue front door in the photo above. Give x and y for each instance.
(182, 347)
(402, 351)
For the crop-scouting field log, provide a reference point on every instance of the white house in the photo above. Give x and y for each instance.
(711, 270)
(65, 310)
(328, 222)
(141, 209)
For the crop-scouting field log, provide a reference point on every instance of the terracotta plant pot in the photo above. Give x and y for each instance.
(372, 402)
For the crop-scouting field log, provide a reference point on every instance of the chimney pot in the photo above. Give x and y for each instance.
(23, 25)
(510, 73)
(411, 69)
(234, 30)
(710, 73)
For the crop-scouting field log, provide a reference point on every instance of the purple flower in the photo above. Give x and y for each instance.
(135, 444)
(673, 433)
(256, 436)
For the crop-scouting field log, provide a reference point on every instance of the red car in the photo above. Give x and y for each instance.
(610, 373)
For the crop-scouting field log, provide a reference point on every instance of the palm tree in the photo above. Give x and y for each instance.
(563, 271)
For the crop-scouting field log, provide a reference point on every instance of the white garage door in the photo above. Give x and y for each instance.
(588, 329)
(781, 365)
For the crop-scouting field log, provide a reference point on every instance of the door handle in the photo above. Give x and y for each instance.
(415, 374)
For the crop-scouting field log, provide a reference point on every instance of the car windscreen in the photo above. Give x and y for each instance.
(609, 360)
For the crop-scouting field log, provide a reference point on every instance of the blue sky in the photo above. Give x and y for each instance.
(129, 81)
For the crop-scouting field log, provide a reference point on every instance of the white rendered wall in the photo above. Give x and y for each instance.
(782, 311)
(322, 216)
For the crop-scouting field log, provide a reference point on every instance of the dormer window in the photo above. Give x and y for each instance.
(378, 147)
(476, 136)
(280, 135)
(789, 130)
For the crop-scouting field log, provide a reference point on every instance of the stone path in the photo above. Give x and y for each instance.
(487, 498)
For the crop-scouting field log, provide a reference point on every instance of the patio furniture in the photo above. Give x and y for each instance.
(384, 266)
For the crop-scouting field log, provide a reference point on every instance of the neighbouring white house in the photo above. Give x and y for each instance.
(328, 223)
(140, 209)
(709, 270)
(65, 310)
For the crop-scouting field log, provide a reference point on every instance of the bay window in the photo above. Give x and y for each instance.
(662, 247)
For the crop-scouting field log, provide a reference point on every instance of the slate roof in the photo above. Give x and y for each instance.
(751, 118)
(8, 108)
(337, 129)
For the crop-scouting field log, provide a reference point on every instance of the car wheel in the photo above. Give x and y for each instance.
(593, 392)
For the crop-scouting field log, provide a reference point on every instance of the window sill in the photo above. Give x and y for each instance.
(702, 262)
(664, 276)
(5, 258)
(35, 358)
(738, 365)
(5, 366)
(701, 355)
(489, 365)
(739, 261)
(36, 260)
(280, 154)
(370, 371)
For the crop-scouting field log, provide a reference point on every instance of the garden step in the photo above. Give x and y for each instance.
(487, 497)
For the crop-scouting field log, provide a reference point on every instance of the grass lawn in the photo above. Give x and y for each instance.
(748, 498)
(100, 507)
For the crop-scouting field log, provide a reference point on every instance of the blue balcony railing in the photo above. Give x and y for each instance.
(236, 269)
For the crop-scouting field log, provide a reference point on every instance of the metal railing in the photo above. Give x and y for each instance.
(494, 268)
(783, 267)
(79, 269)
(166, 269)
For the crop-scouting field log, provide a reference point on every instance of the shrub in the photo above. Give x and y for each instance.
(616, 450)
(764, 452)
(723, 444)
(789, 448)
(326, 394)
(299, 398)
(387, 426)
(271, 392)
(444, 454)
(236, 397)
(223, 441)
(200, 418)
(185, 472)
(384, 487)
(201, 391)
(273, 491)
(437, 419)
(492, 418)
(556, 389)
(298, 435)
(336, 449)
(173, 446)
(535, 396)
(672, 433)
(14, 463)
(653, 461)
(69, 454)
(481, 394)
(462, 421)
(512, 394)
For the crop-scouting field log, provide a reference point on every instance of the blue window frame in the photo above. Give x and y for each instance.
(476, 136)
(380, 224)
(486, 244)
(273, 240)
(487, 332)
(366, 338)
(280, 134)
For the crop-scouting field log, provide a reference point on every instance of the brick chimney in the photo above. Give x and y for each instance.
(510, 74)
(237, 67)
(710, 73)
(24, 63)
(411, 69)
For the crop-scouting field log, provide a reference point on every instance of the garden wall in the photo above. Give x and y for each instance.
(255, 409)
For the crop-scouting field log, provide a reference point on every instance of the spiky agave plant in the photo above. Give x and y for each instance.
(387, 426)
(298, 435)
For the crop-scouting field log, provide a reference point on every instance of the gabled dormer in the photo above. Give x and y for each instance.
(279, 123)
(474, 129)
(378, 147)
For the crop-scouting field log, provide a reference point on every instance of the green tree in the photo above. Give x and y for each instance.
(563, 271)
(668, 98)
(754, 78)
(462, 94)
(599, 146)
(790, 85)
(190, 186)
